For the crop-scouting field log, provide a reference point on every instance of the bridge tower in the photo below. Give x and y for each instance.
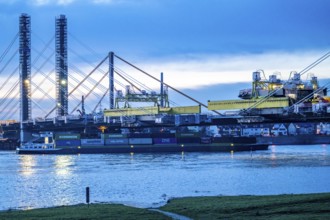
(61, 68)
(111, 81)
(161, 89)
(25, 66)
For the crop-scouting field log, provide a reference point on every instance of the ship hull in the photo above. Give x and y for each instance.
(295, 140)
(147, 149)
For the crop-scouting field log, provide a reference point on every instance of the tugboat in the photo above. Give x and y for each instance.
(47, 147)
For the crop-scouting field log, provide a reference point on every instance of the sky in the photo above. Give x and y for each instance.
(207, 48)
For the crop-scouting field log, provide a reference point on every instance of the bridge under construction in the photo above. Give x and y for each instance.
(266, 101)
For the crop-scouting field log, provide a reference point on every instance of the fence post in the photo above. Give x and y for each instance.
(87, 196)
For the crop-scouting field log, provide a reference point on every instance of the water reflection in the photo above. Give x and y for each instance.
(63, 165)
(27, 164)
(273, 155)
(65, 181)
(325, 154)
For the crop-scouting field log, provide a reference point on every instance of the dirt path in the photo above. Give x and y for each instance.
(171, 215)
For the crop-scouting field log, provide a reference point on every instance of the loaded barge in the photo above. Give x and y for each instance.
(138, 143)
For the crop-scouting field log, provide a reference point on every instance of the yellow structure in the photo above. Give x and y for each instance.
(117, 112)
(7, 122)
(326, 98)
(151, 110)
(247, 103)
(182, 110)
(102, 128)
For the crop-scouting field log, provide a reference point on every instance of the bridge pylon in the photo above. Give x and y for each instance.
(25, 66)
(61, 67)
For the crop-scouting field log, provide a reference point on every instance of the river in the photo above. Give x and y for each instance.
(149, 180)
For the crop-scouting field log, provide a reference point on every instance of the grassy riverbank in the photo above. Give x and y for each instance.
(306, 206)
(75, 212)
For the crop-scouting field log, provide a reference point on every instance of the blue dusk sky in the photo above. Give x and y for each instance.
(207, 48)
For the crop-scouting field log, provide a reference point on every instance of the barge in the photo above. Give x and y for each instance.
(121, 143)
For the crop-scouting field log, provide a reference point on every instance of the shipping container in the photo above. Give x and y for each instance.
(140, 140)
(188, 134)
(114, 135)
(92, 142)
(116, 141)
(187, 140)
(139, 135)
(72, 143)
(206, 140)
(164, 140)
(163, 135)
(67, 136)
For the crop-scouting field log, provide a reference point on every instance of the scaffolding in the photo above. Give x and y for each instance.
(25, 66)
(61, 60)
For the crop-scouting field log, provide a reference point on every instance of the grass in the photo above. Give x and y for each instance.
(94, 211)
(302, 206)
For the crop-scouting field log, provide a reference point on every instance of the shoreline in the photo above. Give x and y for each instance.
(315, 205)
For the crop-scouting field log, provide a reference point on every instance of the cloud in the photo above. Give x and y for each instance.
(198, 71)
(9, 2)
(103, 1)
(67, 2)
(51, 2)
(201, 71)
(115, 1)
(64, 2)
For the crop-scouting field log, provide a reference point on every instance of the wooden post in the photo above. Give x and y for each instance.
(87, 195)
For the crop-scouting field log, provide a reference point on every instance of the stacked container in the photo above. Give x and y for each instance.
(189, 137)
(67, 140)
(168, 140)
(115, 139)
(92, 142)
(140, 139)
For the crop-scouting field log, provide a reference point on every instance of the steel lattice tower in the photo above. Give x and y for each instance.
(61, 59)
(111, 81)
(25, 66)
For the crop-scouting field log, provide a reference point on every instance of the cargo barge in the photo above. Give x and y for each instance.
(8, 144)
(122, 143)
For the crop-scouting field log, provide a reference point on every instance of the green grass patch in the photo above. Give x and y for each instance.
(94, 211)
(302, 206)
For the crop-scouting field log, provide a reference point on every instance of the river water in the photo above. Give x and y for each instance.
(149, 180)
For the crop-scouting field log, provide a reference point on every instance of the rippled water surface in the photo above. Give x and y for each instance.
(145, 180)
